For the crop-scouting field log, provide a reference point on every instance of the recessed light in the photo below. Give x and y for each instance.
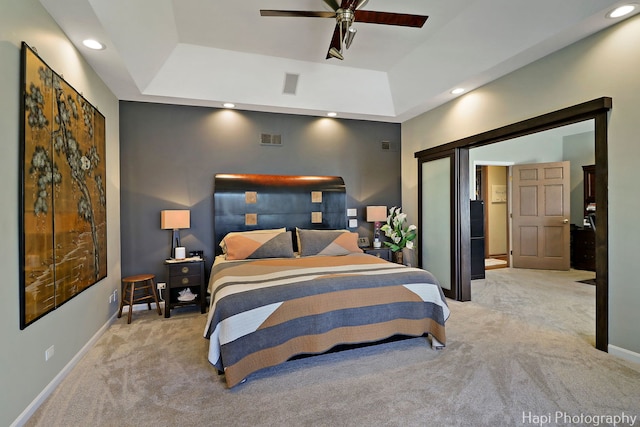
(623, 10)
(457, 91)
(93, 44)
(332, 114)
(228, 105)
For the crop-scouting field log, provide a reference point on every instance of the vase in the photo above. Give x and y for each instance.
(409, 257)
(398, 257)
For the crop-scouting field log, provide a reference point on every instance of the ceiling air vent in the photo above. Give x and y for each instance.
(389, 146)
(271, 139)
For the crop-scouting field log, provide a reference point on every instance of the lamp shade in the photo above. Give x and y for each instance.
(174, 219)
(376, 213)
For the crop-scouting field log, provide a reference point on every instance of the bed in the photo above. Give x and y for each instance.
(290, 280)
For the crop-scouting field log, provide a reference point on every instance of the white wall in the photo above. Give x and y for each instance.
(24, 374)
(605, 64)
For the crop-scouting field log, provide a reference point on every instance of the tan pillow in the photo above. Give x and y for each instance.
(258, 245)
(233, 233)
(327, 242)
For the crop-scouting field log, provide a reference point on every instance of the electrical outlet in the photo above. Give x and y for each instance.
(162, 285)
(49, 353)
(363, 242)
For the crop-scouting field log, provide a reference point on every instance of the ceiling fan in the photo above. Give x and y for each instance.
(345, 14)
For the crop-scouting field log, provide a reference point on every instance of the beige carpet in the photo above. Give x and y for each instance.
(505, 360)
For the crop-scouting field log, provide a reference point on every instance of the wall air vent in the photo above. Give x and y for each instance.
(271, 139)
(390, 146)
(290, 84)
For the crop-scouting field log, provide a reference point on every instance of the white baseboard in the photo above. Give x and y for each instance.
(33, 406)
(624, 353)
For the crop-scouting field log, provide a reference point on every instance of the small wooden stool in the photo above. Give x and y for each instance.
(139, 282)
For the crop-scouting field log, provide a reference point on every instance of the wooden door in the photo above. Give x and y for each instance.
(541, 209)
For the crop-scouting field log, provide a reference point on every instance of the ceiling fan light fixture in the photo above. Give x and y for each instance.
(349, 37)
(335, 53)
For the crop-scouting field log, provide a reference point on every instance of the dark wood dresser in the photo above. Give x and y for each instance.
(583, 245)
(583, 239)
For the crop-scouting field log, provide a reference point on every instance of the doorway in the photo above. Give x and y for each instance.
(460, 261)
(573, 143)
(492, 187)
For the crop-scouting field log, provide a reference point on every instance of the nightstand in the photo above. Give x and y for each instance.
(180, 276)
(384, 253)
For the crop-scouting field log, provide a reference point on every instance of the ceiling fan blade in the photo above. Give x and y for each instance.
(333, 4)
(388, 18)
(335, 41)
(297, 13)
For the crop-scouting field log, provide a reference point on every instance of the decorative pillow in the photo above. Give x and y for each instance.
(258, 245)
(233, 233)
(327, 242)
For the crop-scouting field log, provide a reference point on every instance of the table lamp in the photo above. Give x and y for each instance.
(376, 214)
(175, 220)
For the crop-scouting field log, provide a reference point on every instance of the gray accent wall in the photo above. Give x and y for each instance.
(170, 154)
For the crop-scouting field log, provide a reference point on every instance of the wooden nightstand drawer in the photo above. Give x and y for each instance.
(177, 281)
(184, 269)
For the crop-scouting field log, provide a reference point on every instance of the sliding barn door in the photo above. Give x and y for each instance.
(435, 230)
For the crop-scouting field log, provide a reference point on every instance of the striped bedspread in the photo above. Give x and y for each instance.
(265, 311)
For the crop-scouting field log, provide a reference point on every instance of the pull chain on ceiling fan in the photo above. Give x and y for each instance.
(345, 15)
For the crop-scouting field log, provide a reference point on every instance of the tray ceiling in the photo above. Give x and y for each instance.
(206, 52)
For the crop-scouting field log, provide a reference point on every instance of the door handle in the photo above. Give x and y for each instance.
(566, 221)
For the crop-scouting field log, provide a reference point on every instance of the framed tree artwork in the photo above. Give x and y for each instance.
(63, 223)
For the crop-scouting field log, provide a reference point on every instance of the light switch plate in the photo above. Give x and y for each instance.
(363, 242)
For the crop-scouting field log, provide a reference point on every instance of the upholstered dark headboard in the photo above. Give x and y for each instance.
(245, 202)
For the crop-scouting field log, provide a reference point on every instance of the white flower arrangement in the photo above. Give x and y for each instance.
(401, 234)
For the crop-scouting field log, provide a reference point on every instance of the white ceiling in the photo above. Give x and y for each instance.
(206, 52)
